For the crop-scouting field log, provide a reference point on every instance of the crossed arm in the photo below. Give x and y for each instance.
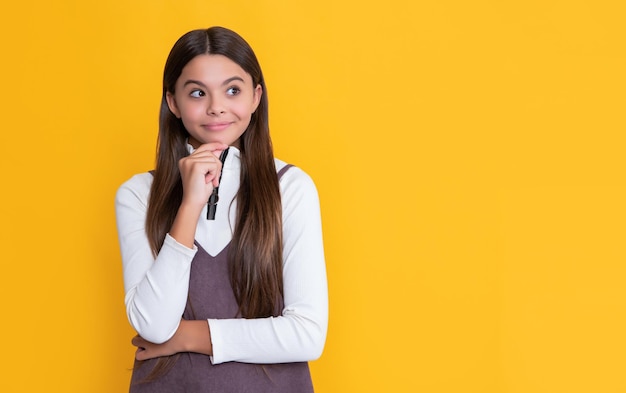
(156, 289)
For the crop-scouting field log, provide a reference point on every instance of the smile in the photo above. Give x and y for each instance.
(216, 126)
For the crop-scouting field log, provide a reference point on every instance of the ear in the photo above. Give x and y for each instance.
(171, 103)
(258, 93)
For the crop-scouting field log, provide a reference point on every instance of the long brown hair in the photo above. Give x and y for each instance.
(255, 255)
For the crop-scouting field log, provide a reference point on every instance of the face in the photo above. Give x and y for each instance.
(215, 99)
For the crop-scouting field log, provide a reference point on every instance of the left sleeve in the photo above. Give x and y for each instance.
(299, 333)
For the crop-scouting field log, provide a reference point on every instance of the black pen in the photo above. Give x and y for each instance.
(214, 198)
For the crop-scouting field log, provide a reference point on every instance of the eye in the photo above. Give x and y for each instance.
(233, 91)
(196, 93)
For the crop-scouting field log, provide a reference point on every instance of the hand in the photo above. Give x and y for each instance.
(147, 350)
(200, 173)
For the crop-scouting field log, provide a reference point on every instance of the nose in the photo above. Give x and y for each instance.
(215, 107)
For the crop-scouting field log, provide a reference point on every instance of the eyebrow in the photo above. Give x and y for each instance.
(227, 81)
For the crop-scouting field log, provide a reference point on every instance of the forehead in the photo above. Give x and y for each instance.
(212, 69)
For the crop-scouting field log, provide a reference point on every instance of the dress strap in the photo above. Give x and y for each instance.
(283, 170)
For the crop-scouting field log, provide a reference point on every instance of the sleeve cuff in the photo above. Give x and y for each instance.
(171, 242)
(217, 357)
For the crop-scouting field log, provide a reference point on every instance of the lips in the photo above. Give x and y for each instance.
(216, 126)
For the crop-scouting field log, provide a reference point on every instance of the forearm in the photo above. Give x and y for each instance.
(284, 339)
(157, 299)
(155, 288)
(184, 225)
(191, 336)
(195, 337)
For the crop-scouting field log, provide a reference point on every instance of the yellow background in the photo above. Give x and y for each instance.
(469, 157)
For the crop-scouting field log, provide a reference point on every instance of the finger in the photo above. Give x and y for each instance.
(140, 354)
(211, 167)
(139, 341)
(214, 147)
(212, 177)
(204, 153)
(205, 164)
(216, 176)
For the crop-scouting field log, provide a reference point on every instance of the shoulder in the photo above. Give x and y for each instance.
(137, 187)
(295, 181)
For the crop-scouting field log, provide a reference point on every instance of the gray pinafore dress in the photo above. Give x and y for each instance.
(211, 296)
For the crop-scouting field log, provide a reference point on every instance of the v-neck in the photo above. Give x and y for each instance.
(219, 253)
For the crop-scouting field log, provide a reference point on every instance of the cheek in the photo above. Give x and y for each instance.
(244, 111)
(191, 112)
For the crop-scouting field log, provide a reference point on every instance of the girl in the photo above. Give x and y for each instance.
(221, 244)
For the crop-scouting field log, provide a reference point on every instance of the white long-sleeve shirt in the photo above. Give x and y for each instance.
(156, 289)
